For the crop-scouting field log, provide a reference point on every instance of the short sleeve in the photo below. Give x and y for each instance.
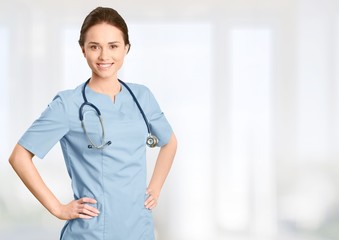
(159, 124)
(47, 130)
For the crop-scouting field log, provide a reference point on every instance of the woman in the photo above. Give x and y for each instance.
(102, 126)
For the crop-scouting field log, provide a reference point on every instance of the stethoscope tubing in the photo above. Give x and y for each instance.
(151, 139)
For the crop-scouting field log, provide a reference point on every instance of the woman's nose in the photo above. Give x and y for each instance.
(103, 54)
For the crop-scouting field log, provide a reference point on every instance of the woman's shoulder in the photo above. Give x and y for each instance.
(137, 87)
(66, 100)
(139, 90)
(69, 94)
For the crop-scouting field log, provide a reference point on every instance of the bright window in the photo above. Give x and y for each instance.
(246, 184)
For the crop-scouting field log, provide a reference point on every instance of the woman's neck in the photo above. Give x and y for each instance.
(110, 87)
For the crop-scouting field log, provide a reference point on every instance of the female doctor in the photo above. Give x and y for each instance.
(103, 126)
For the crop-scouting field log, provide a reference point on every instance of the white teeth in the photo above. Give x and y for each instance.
(105, 65)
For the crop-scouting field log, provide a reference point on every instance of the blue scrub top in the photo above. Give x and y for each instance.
(116, 175)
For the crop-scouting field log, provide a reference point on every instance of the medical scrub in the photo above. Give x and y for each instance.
(116, 175)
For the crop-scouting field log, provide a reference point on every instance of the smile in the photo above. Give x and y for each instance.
(104, 65)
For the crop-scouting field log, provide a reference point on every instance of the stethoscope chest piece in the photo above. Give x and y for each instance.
(152, 141)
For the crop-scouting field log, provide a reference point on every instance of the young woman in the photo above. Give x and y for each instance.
(103, 126)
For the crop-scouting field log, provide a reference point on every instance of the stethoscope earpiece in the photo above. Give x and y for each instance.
(151, 141)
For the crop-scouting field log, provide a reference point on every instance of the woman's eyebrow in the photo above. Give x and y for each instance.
(113, 42)
(96, 43)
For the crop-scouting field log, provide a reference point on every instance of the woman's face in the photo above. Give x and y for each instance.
(104, 49)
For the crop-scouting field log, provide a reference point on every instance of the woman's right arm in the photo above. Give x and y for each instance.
(22, 162)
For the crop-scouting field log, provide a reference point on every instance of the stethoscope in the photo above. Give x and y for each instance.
(151, 140)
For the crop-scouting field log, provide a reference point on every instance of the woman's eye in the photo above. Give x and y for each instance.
(94, 47)
(113, 46)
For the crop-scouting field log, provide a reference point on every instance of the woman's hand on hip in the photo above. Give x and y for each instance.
(152, 199)
(78, 209)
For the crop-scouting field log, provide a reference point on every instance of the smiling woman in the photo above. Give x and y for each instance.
(105, 55)
(111, 196)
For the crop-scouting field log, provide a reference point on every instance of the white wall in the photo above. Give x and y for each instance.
(250, 88)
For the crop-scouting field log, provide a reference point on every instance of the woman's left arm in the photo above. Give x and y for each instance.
(161, 170)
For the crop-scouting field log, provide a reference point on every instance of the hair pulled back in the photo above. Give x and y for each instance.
(104, 15)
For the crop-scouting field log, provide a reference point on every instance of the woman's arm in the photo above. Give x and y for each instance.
(161, 170)
(22, 163)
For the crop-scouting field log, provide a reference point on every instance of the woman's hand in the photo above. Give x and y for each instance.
(152, 199)
(77, 209)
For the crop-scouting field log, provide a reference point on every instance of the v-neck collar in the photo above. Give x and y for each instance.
(97, 98)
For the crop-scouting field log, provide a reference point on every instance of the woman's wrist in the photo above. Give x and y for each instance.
(56, 210)
(153, 191)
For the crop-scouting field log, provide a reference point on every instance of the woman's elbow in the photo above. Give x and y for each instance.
(18, 154)
(172, 143)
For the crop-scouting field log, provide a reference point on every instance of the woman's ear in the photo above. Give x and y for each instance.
(127, 47)
(83, 51)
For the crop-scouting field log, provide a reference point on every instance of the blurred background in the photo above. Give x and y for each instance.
(250, 87)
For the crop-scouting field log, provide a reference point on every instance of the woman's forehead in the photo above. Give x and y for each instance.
(104, 32)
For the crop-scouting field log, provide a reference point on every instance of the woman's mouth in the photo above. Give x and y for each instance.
(104, 65)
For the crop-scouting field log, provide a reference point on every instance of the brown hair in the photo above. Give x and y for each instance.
(104, 15)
